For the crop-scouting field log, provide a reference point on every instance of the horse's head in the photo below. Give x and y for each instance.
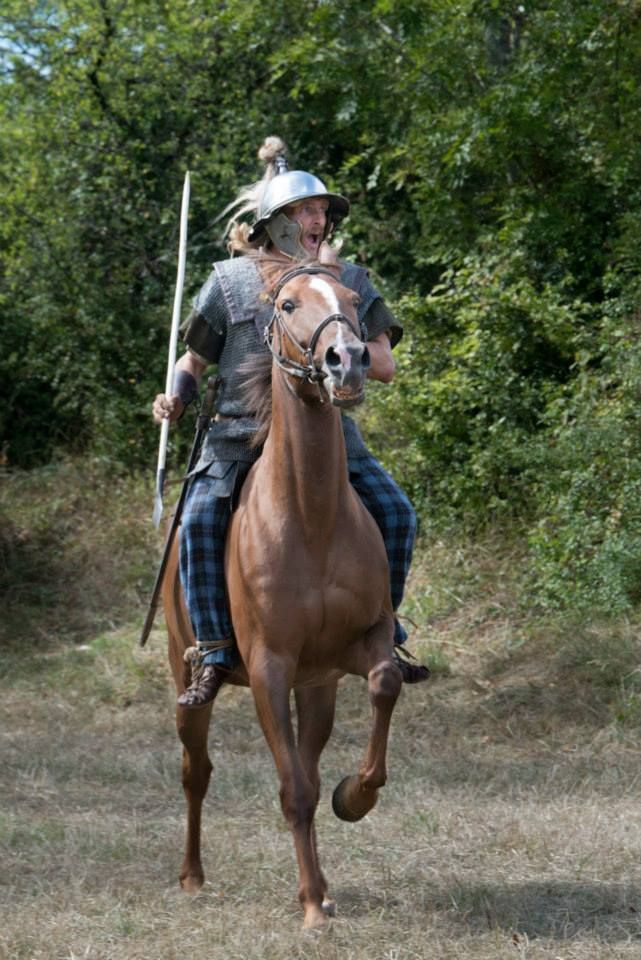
(315, 335)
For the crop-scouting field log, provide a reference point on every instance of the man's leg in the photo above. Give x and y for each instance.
(396, 519)
(202, 575)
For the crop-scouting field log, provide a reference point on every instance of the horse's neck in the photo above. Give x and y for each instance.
(305, 454)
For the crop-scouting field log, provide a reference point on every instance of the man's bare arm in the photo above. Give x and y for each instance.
(383, 364)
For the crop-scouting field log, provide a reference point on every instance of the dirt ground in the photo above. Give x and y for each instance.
(509, 828)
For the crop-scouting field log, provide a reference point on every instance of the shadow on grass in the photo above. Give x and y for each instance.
(558, 910)
(555, 909)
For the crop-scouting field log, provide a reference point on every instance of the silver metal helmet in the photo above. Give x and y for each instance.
(291, 186)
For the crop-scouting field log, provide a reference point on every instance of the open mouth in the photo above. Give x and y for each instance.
(347, 398)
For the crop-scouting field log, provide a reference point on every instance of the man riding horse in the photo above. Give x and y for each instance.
(294, 214)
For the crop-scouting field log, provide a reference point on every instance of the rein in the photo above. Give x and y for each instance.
(306, 370)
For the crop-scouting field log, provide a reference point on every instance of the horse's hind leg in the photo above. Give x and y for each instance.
(271, 683)
(315, 710)
(193, 726)
(356, 795)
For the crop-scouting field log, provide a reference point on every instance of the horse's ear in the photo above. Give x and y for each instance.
(328, 258)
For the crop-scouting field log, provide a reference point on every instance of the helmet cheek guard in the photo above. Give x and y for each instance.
(286, 235)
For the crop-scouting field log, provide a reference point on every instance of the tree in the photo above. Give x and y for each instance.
(490, 152)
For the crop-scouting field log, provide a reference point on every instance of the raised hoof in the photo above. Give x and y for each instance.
(350, 802)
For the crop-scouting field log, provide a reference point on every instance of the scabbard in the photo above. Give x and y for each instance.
(202, 426)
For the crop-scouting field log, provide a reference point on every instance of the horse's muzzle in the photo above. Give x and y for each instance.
(346, 367)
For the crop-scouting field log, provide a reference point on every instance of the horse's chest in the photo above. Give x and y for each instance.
(317, 584)
(316, 594)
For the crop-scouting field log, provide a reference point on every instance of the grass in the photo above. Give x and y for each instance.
(509, 827)
(77, 550)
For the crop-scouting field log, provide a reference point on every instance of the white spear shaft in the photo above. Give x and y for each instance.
(173, 342)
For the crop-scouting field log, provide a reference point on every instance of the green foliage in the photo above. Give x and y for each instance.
(490, 153)
(587, 537)
(101, 111)
(484, 355)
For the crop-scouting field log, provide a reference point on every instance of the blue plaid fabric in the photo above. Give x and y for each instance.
(396, 520)
(204, 525)
(202, 572)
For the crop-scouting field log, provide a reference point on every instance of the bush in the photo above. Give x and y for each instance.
(587, 538)
(484, 354)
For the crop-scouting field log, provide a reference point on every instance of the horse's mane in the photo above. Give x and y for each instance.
(256, 370)
(256, 373)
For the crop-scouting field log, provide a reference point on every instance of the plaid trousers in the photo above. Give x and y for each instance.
(202, 548)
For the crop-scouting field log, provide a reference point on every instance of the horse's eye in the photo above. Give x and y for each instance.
(288, 306)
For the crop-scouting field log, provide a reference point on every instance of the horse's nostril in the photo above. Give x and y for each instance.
(332, 357)
(366, 359)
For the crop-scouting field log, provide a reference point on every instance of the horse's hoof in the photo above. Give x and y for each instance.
(192, 884)
(350, 802)
(329, 907)
(315, 919)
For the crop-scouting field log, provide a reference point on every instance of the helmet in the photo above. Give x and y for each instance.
(291, 186)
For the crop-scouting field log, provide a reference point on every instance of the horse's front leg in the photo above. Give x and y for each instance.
(271, 683)
(315, 707)
(356, 795)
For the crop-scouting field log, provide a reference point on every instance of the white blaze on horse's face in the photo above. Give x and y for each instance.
(327, 291)
(345, 359)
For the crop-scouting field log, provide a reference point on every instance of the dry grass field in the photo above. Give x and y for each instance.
(510, 826)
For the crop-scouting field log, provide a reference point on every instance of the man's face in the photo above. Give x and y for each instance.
(312, 216)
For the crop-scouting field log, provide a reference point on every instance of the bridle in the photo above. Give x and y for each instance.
(306, 370)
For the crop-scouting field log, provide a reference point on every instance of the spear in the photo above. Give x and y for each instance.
(173, 341)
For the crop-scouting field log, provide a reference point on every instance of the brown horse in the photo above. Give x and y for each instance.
(307, 578)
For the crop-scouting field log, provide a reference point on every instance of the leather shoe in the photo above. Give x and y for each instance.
(206, 682)
(410, 672)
